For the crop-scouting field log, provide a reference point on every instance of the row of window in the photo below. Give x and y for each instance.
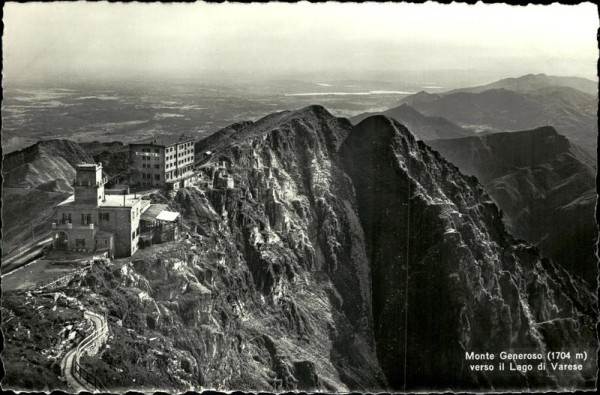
(156, 150)
(179, 155)
(148, 176)
(86, 219)
(181, 162)
(149, 166)
(179, 172)
(180, 146)
(80, 243)
(156, 158)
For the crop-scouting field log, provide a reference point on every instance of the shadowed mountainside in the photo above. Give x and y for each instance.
(423, 127)
(447, 277)
(544, 184)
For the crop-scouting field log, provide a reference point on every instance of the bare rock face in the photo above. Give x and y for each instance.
(545, 186)
(413, 255)
(448, 278)
(293, 213)
(334, 258)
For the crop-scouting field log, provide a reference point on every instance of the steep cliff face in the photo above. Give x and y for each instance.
(295, 277)
(545, 186)
(272, 291)
(292, 212)
(447, 277)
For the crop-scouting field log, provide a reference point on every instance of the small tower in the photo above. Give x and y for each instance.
(89, 184)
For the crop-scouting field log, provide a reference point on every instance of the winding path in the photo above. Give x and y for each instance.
(76, 379)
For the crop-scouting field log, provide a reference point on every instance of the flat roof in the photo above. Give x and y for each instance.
(169, 216)
(165, 141)
(152, 211)
(109, 201)
(87, 166)
(117, 201)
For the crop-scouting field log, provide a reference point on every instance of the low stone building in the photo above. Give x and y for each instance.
(158, 225)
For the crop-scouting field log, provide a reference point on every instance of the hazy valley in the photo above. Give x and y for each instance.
(131, 111)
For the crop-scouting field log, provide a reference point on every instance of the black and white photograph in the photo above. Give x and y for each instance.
(299, 197)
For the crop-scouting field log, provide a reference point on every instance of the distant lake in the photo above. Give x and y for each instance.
(350, 93)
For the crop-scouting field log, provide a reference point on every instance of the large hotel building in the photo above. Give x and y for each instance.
(166, 162)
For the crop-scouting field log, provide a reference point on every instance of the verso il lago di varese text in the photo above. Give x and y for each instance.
(526, 362)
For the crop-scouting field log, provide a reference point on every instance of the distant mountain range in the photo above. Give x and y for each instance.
(567, 103)
(424, 127)
(538, 177)
(545, 186)
(531, 82)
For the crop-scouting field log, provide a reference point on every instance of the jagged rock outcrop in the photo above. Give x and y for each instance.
(292, 212)
(545, 186)
(447, 277)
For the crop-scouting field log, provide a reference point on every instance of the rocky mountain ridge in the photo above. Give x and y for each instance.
(434, 235)
(423, 127)
(44, 163)
(345, 258)
(544, 184)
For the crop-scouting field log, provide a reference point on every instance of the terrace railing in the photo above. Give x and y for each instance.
(83, 348)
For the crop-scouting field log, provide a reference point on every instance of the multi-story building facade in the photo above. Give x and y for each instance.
(166, 162)
(94, 221)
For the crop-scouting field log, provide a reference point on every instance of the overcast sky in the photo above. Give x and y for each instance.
(196, 40)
